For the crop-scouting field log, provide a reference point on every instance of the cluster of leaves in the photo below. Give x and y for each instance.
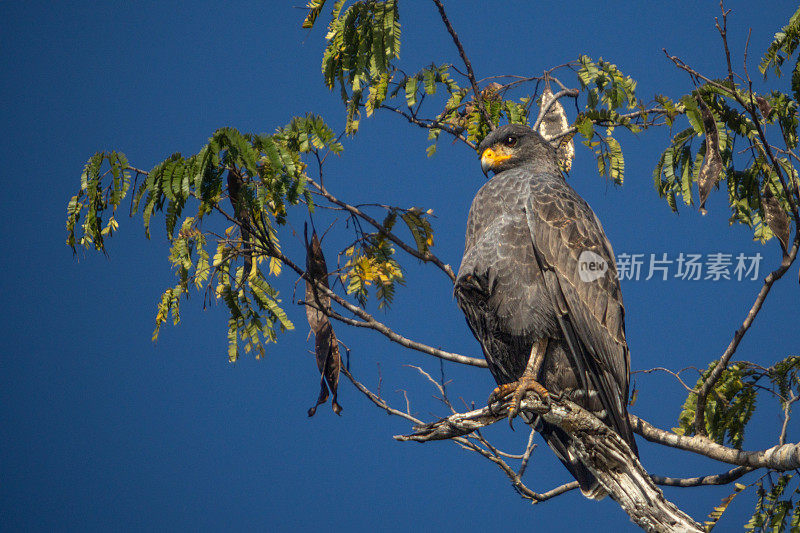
(465, 117)
(678, 168)
(371, 259)
(732, 401)
(782, 47)
(270, 175)
(94, 199)
(372, 262)
(363, 39)
(784, 374)
(608, 91)
(729, 407)
(775, 507)
(719, 114)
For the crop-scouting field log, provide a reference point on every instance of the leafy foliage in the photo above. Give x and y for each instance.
(607, 86)
(732, 401)
(784, 375)
(273, 177)
(719, 510)
(704, 153)
(782, 47)
(314, 8)
(362, 42)
(720, 113)
(608, 91)
(729, 407)
(371, 260)
(94, 200)
(773, 511)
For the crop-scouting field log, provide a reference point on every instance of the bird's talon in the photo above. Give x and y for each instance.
(517, 392)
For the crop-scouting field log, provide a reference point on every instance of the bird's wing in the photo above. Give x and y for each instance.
(589, 311)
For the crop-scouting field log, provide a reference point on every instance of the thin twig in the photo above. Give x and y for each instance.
(426, 256)
(677, 375)
(465, 59)
(787, 415)
(723, 31)
(432, 124)
(521, 488)
(572, 93)
(527, 455)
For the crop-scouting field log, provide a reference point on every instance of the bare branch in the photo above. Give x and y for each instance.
(787, 415)
(723, 31)
(516, 481)
(676, 375)
(632, 115)
(429, 124)
(785, 457)
(527, 455)
(465, 59)
(718, 479)
(380, 327)
(377, 400)
(598, 447)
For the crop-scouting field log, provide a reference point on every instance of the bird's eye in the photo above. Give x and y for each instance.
(510, 141)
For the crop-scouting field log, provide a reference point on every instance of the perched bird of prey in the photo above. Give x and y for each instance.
(539, 289)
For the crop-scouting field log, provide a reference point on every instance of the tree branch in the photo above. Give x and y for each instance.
(493, 456)
(599, 448)
(718, 479)
(368, 320)
(782, 458)
(573, 93)
(429, 125)
(722, 364)
(426, 256)
(465, 59)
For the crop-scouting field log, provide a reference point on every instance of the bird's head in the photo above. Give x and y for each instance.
(514, 145)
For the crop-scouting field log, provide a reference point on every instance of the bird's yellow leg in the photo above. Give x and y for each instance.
(526, 383)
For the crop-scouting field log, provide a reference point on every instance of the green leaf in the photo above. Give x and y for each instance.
(411, 90)
(429, 80)
(314, 7)
(729, 405)
(782, 47)
(585, 127)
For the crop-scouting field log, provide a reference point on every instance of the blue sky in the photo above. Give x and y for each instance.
(100, 428)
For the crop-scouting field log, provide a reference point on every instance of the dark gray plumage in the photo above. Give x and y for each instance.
(519, 282)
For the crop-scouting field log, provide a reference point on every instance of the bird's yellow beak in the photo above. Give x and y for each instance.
(491, 157)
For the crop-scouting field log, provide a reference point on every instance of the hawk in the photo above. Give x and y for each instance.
(539, 290)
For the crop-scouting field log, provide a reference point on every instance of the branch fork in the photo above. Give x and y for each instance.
(599, 448)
